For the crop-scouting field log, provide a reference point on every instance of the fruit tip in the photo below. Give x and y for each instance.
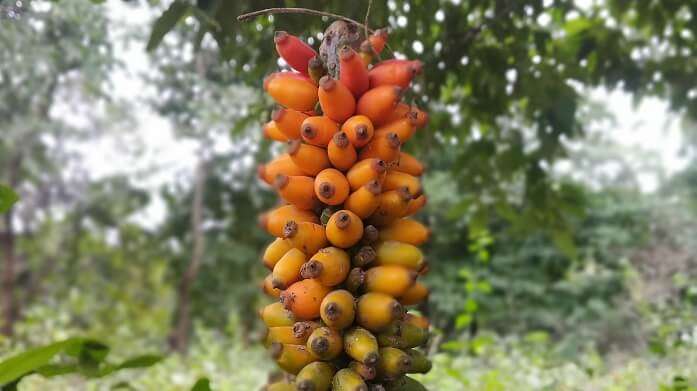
(280, 36)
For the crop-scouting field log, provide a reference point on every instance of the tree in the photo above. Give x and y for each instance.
(67, 47)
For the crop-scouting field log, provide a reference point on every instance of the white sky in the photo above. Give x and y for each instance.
(648, 127)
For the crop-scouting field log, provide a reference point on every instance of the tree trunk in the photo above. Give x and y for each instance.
(8, 275)
(179, 338)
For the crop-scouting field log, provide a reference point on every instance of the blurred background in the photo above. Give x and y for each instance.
(562, 186)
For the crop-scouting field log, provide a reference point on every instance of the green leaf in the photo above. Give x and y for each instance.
(565, 243)
(7, 198)
(27, 362)
(144, 361)
(166, 22)
(203, 384)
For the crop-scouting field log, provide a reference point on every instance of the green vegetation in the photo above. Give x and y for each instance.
(541, 280)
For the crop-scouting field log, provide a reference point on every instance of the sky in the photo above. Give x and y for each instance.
(649, 127)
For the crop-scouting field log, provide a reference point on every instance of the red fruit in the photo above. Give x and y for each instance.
(394, 72)
(294, 51)
(353, 72)
(378, 40)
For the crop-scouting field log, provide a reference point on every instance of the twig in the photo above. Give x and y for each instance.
(294, 10)
(367, 15)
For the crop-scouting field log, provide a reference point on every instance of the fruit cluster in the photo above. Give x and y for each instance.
(345, 262)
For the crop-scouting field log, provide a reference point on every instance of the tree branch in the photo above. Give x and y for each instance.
(294, 10)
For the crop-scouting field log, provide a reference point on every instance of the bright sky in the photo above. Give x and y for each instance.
(166, 159)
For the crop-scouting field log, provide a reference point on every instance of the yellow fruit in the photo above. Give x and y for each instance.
(291, 358)
(348, 380)
(376, 311)
(406, 231)
(330, 266)
(275, 315)
(316, 376)
(344, 229)
(325, 343)
(397, 253)
(361, 345)
(275, 251)
(338, 309)
(390, 279)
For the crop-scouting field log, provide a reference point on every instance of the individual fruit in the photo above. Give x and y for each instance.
(316, 376)
(398, 253)
(274, 221)
(392, 205)
(318, 130)
(291, 358)
(415, 205)
(376, 311)
(403, 335)
(294, 51)
(385, 147)
(348, 380)
(361, 345)
(364, 201)
(281, 385)
(325, 343)
(297, 190)
(336, 100)
(311, 159)
(329, 266)
(396, 179)
(419, 362)
(391, 280)
(305, 236)
(404, 383)
(276, 315)
(287, 269)
(304, 328)
(342, 154)
(406, 231)
(378, 103)
(352, 72)
(359, 130)
(344, 229)
(272, 132)
(378, 40)
(394, 73)
(331, 186)
(365, 171)
(303, 298)
(404, 128)
(393, 363)
(275, 250)
(409, 165)
(281, 165)
(288, 122)
(284, 335)
(416, 294)
(338, 309)
(292, 90)
(269, 288)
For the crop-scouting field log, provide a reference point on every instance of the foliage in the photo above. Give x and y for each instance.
(7, 198)
(88, 358)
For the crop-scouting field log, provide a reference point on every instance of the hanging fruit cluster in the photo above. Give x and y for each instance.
(345, 262)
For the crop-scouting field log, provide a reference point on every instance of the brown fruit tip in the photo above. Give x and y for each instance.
(393, 140)
(278, 284)
(327, 83)
(365, 256)
(341, 140)
(396, 310)
(293, 146)
(332, 311)
(315, 63)
(404, 363)
(343, 220)
(371, 359)
(308, 131)
(403, 193)
(287, 299)
(302, 329)
(362, 132)
(280, 181)
(311, 269)
(290, 229)
(370, 234)
(326, 190)
(374, 187)
(346, 53)
(383, 32)
(320, 345)
(280, 37)
(276, 349)
(379, 166)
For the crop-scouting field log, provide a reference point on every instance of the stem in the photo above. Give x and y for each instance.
(367, 15)
(294, 10)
